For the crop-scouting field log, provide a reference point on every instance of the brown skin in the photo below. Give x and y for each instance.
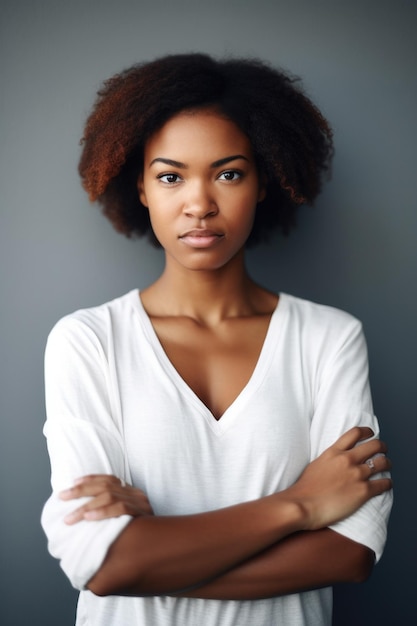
(184, 552)
(204, 303)
(302, 561)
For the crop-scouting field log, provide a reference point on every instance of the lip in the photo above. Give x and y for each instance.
(200, 237)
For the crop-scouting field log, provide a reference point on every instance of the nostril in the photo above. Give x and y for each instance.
(202, 210)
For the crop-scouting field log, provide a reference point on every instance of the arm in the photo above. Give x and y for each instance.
(343, 399)
(303, 561)
(163, 555)
(83, 438)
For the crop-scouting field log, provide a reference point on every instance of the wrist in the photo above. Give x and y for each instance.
(293, 513)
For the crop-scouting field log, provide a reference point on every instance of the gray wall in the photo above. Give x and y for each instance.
(355, 250)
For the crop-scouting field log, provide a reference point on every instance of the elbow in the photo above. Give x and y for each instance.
(103, 585)
(362, 565)
(109, 580)
(100, 586)
(97, 587)
(117, 578)
(119, 574)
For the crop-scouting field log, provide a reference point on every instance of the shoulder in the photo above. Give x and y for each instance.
(320, 327)
(318, 316)
(94, 325)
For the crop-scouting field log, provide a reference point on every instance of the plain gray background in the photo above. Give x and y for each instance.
(356, 249)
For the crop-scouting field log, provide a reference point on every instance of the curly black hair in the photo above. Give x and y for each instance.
(291, 140)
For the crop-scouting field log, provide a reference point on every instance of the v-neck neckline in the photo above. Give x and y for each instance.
(218, 425)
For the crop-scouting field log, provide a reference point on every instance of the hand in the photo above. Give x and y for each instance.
(110, 497)
(336, 484)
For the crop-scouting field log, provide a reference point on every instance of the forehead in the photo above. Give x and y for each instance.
(191, 132)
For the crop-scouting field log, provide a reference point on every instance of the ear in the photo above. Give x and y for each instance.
(141, 190)
(262, 188)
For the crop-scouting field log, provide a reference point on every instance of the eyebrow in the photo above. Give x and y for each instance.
(183, 166)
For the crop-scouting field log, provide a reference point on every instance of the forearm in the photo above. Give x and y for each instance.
(167, 555)
(162, 555)
(305, 560)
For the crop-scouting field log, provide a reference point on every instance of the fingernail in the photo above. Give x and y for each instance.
(91, 515)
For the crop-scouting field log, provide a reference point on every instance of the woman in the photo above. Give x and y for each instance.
(203, 433)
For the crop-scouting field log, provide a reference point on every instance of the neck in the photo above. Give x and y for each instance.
(206, 296)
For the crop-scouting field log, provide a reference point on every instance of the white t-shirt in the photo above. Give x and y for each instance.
(116, 405)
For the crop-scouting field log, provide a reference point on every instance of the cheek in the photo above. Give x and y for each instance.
(161, 224)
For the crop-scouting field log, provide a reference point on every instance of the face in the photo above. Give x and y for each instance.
(201, 186)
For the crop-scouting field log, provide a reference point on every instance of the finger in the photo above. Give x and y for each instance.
(83, 514)
(111, 478)
(368, 450)
(375, 465)
(81, 491)
(353, 436)
(378, 486)
(112, 504)
(100, 501)
(98, 478)
(116, 509)
(106, 511)
(371, 465)
(91, 486)
(74, 516)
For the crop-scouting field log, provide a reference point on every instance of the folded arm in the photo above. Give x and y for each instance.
(256, 548)
(303, 561)
(170, 555)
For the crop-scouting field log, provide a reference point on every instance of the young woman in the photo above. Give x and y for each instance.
(204, 432)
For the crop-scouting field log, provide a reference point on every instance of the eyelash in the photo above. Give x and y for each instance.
(236, 176)
(169, 175)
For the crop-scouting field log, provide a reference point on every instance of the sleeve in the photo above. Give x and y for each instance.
(83, 438)
(343, 400)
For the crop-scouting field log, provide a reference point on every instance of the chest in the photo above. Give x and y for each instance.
(176, 449)
(190, 461)
(216, 364)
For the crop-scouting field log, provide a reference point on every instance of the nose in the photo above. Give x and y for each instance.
(200, 202)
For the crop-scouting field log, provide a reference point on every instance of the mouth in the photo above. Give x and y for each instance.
(200, 238)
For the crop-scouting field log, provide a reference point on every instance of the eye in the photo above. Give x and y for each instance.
(230, 175)
(169, 179)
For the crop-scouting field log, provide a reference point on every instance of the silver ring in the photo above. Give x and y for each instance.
(370, 463)
(122, 482)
